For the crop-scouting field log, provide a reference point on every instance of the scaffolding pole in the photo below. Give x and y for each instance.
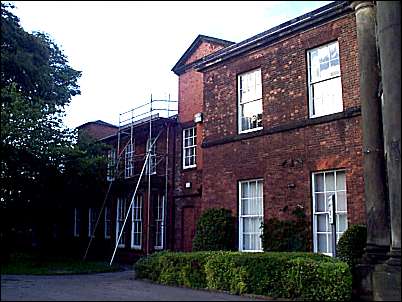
(149, 181)
(104, 201)
(129, 119)
(133, 198)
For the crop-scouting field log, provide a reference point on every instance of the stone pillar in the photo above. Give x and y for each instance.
(387, 277)
(389, 42)
(378, 234)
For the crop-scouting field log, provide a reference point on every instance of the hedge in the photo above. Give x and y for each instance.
(171, 268)
(293, 275)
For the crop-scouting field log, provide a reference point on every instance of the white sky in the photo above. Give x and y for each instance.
(126, 50)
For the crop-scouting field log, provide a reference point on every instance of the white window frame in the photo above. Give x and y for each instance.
(92, 213)
(129, 160)
(151, 164)
(77, 222)
(187, 136)
(258, 216)
(335, 77)
(160, 222)
(136, 221)
(108, 224)
(120, 215)
(111, 164)
(337, 211)
(256, 96)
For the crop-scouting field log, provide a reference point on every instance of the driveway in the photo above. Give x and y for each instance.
(101, 287)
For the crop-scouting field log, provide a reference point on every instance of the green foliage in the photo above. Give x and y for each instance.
(351, 245)
(170, 268)
(318, 281)
(214, 231)
(286, 235)
(85, 169)
(36, 84)
(293, 275)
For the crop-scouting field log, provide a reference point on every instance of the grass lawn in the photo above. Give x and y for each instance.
(19, 264)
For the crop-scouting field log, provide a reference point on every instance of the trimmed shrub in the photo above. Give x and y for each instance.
(351, 245)
(318, 281)
(170, 268)
(284, 275)
(214, 231)
(286, 235)
(294, 275)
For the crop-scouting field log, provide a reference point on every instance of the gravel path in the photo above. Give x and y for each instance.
(117, 286)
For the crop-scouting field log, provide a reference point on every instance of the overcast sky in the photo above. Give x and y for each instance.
(126, 50)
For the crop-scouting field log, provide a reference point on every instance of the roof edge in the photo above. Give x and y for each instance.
(98, 122)
(200, 38)
(307, 20)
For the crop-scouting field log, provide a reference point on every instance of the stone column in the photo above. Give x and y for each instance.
(386, 278)
(378, 234)
(389, 42)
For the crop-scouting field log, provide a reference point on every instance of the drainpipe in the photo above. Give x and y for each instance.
(378, 237)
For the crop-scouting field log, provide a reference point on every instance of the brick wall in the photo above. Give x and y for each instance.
(291, 146)
(284, 78)
(187, 200)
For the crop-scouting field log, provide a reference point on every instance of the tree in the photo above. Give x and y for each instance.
(36, 85)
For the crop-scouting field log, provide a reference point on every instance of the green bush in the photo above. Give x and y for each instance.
(286, 275)
(170, 268)
(351, 245)
(318, 281)
(293, 275)
(214, 231)
(286, 235)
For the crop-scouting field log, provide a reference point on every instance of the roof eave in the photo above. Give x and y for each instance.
(180, 65)
(295, 25)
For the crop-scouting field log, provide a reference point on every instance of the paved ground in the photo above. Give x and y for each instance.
(101, 287)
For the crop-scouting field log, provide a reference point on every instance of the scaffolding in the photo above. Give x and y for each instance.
(144, 115)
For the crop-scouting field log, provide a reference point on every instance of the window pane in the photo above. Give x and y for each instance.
(246, 242)
(253, 242)
(327, 97)
(314, 66)
(320, 202)
(245, 190)
(322, 243)
(341, 201)
(319, 182)
(322, 223)
(329, 243)
(253, 189)
(333, 51)
(340, 180)
(329, 181)
(246, 207)
(342, 223)
(247, 225)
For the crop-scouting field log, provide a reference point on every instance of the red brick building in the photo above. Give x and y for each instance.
(281, 128)
(263, 126)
